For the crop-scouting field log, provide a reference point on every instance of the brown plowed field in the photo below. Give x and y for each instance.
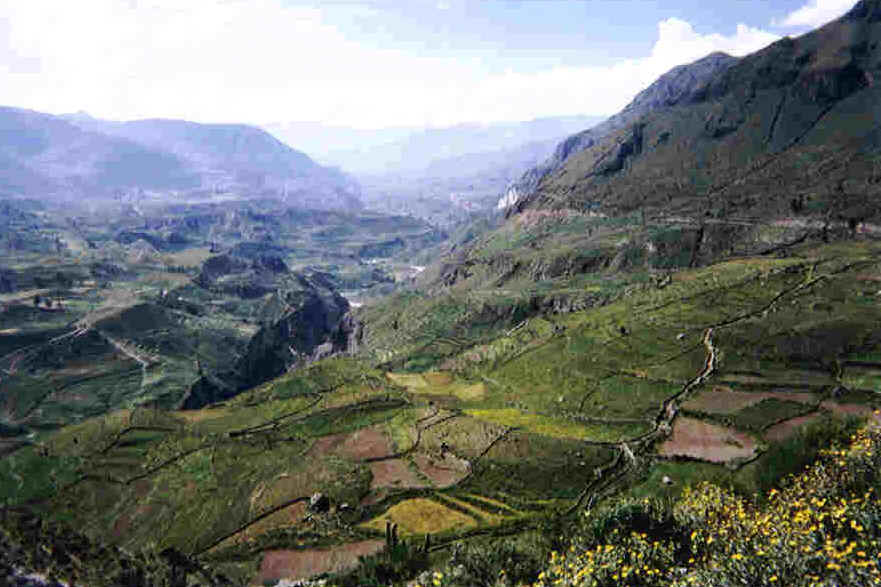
(359, 445)
(707, 442)
(847, 409)
(366, 443)
(442, 473)
(724, 400)
(302, 564)
(393, 473)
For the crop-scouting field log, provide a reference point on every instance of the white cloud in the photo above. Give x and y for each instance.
(816, 13)
(263, 60)
(605, 90)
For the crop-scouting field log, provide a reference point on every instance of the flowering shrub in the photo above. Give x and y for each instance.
(821, 528)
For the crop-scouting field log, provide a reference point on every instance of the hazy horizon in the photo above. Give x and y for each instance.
(367, 65)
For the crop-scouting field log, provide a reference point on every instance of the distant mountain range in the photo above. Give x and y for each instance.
(442, 174)
(414, 150)
(69, 156)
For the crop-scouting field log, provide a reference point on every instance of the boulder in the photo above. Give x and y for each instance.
(319, 503)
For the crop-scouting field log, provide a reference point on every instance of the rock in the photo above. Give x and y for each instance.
(323, 350)
(319, 503)
(459, 572)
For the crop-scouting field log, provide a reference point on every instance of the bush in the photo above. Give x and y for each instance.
(799, 451)
(396, 563)
(822, 527)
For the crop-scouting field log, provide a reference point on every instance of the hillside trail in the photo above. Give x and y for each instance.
(143, 359)
(630, 451)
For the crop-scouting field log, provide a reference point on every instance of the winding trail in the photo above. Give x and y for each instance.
(630, 451)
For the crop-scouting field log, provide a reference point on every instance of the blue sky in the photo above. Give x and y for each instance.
(368, 64)
(541, 33)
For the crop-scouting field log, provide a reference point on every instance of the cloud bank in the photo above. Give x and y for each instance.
(259, 61)
(816, 13)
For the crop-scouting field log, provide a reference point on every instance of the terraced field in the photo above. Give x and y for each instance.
(734, 373)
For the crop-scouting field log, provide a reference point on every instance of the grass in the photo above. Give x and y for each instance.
(26, 475)
(422, 516)
(490, 502)
(553, 383)
(481, 515)
(793, 454)
(439, 384)
(769, 411)
(555, 427)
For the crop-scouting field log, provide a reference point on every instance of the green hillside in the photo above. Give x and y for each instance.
(709, 377)
(662, 367)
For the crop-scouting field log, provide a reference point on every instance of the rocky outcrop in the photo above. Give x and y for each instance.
(8, 280)
(311, 324)
(243, 277)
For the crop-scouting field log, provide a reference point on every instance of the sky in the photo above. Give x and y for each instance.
(368, 64)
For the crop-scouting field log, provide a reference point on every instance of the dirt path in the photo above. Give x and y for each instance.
(631, 451)
(143, 359)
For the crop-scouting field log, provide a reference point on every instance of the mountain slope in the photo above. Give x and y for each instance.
(444, 175)
(736, 159)
(412, 150)
(41, 153)
(792, 130)
(681, 84)
(237, 156)
(70, 156)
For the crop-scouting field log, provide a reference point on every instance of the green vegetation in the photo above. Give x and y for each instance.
(487, 443)
(613, 384)
(768, 411)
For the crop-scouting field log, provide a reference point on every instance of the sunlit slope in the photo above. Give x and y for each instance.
(710, 376)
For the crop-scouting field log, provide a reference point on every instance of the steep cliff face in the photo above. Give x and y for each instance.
(311, 328)
(303, 320)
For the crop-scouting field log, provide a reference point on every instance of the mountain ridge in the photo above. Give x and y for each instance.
(69, 155)
(768, 118)
(681, 83)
